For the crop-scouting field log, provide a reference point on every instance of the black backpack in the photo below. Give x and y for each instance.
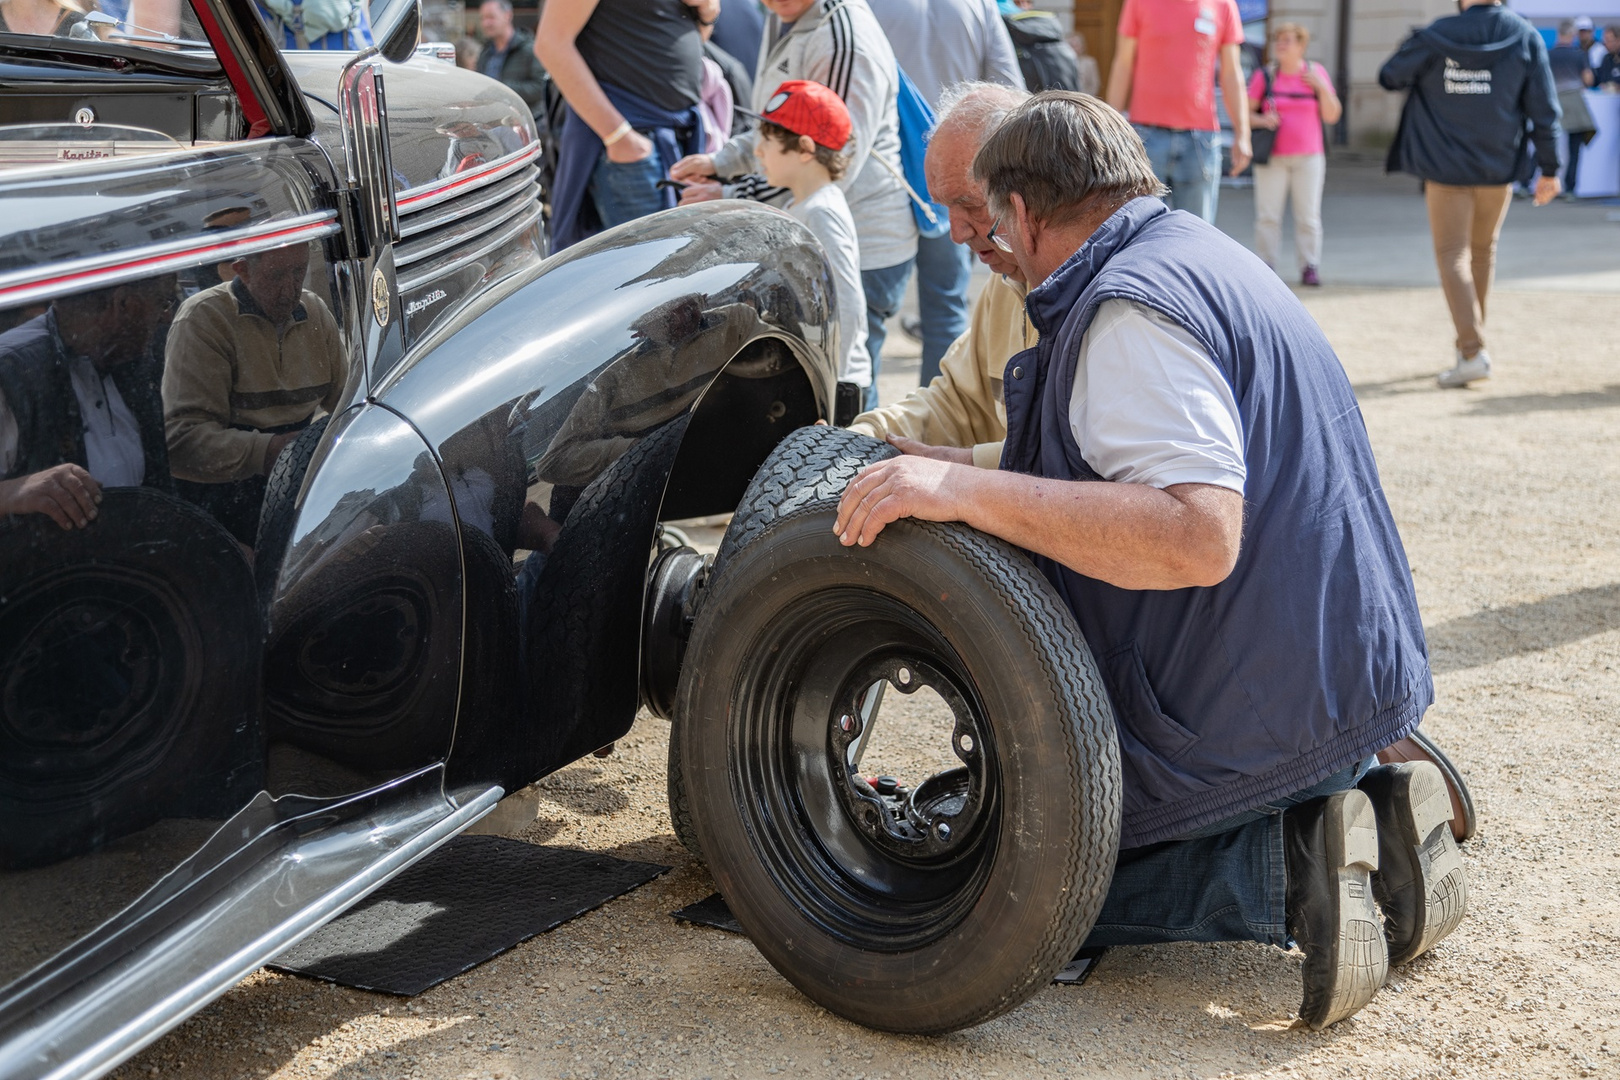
(1043, 52)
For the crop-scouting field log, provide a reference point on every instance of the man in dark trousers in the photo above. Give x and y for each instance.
(1186, 463)
(508, 53)
(1475, 79)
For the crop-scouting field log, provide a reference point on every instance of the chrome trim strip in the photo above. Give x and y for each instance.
(434, 270)
(468, 226)
(419, 198)
(36, 283)
(432, 217)
(152, 990)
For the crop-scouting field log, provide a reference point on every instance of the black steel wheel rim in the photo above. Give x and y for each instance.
(879, 871)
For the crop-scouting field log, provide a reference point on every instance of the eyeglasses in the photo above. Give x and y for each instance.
(996, 238)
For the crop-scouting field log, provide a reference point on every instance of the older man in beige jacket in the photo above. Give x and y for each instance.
(959, 415)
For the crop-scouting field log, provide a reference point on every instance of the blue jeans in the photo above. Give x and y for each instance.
(1189, 162)
(944, 269)
(624, 192)
(1225, 882)
(885, 288)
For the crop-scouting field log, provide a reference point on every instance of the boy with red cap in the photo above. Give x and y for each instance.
(803, 130)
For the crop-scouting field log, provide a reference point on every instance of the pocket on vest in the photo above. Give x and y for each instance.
(1138, 706)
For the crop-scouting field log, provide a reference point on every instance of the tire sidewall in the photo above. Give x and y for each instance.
(1009, 939)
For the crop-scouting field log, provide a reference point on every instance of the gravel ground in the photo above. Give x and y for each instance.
(1506, 497)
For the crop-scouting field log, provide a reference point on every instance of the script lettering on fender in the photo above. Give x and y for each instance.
(425, 302)
(1461, 80)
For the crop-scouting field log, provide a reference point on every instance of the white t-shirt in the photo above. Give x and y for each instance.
(112, 438)
(1150, 406)
(826, 214)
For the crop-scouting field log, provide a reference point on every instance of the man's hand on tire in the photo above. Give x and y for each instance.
(907, 486)
(66, 494)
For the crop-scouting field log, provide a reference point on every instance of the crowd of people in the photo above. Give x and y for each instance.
(654, 105)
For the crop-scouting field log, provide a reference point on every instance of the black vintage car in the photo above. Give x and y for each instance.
(285, 658)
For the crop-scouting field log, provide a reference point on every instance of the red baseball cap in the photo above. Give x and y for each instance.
(809, 108)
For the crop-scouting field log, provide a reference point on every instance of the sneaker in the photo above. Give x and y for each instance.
(1467, 371)
(911, 326)
(1310, 277)
(1331, 851)
(1420, 884)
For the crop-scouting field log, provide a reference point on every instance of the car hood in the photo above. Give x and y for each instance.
(443, 121)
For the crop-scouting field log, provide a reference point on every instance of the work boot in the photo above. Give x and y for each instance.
(1419, 747)
(1420, 883)
(1331, 851)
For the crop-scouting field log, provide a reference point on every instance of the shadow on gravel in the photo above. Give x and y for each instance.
(1606, 398)
(580, 790)
(1498, 633)
(1406, 384)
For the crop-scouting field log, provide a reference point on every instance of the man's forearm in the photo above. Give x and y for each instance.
(1119, 76)
(1130, 535)
(1236, 95)
(579, 87)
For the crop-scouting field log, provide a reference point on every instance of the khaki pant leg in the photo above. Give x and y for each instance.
(1490, 210)
(1451, 221)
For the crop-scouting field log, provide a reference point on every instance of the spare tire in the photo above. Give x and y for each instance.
(922, 910)
(129, 675)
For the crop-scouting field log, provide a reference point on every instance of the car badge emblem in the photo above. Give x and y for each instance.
(379, 297)
(85, 116)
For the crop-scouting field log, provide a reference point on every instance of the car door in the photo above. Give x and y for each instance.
(145, 275)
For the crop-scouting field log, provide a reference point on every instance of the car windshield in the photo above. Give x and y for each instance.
(166, 25)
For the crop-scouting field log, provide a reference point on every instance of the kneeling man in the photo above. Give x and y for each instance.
(1186, 462)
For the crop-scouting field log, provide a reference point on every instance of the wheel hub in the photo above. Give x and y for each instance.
(937, 817)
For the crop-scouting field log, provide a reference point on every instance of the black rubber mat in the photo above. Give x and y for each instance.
(712, 911)
(471, 900)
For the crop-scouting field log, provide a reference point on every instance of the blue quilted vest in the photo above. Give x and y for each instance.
(1310, 655)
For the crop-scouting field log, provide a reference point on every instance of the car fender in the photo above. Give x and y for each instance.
(638, 376)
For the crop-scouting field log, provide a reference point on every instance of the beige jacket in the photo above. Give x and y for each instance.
(963, 405)
(229, 379)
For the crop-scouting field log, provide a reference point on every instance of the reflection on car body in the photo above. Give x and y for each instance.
(222, 721)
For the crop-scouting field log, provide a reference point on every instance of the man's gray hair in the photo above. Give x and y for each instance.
(1065, 153)
(504, 5)
(980, 106)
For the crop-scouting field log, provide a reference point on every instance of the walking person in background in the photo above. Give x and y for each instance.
(1475, 79)
(631, 72)
(1293, 98)
(940, 43)
(1163, 78)
(1572, 75)
(839, 44)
